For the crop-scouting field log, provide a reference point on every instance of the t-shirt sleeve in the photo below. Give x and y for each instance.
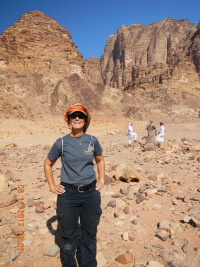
(55, 151)
(97, 148)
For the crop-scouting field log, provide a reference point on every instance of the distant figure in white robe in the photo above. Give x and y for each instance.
(130, 133)
(161, 133)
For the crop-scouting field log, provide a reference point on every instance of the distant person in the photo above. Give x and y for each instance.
(161, 134)
(78, 194)
(130, 133)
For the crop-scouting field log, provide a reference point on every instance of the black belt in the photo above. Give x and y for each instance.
(80, 188)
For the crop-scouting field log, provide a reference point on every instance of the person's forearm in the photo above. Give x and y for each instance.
(49, 176)
(101, 170)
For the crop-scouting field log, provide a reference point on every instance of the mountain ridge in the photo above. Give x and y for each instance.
(42, 70)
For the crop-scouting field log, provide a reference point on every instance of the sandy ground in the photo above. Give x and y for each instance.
(180, 178)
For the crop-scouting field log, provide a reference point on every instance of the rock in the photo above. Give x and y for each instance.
(9, 146)
(33, 203)
(107, 180)
(116, 214)
(51, 251)
(36, 197)
(135, 220)
(195, 222)
(155, 264)
(156, 206)
(174, 259)
(153, 177)
(125, 236)
(124, 191)
(140, 199)
(15, 228)
(9, 175)
(101, 261)
(126, 210)
(125, 258)
(39, 209)
(112, 203)
(7, 199)
(162, 234)
(141, 262)
(187, 219)
(137, 70)
(3, 183)
(117, 195)
(126, 173)
(164, 224)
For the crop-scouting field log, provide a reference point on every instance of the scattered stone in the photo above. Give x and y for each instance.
(9, 175)
(126, 210)
(124, 191)
(7, 199)
(116, 214)
(125, 258)
(3, 183)
(116, 195)
(135, 220)
(162, 234)
(125, 236)
(164, 224)
(101, 261)
(112, 203)
(141, 262)
(35, 203)
(15, 229)
(140, 199)
(51, 251)
(187, 219)
(195, 222)
(9, 146)
(108, 180)
(39, 209)
(153, 177)
(155, 264)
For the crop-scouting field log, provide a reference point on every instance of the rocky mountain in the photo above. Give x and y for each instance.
(41, 69)
(144, 68)
(149, 55)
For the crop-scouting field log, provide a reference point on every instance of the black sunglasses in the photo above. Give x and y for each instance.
(80, 115)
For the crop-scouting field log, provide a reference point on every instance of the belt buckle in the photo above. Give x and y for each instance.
(79, 189)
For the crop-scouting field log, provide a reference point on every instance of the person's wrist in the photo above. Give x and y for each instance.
(52, 188)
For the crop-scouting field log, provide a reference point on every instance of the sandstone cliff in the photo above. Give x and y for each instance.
(41, 69)
(38, 44)
(194, 50)
(149, 55)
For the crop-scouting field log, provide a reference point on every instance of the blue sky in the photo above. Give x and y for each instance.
(90, 22)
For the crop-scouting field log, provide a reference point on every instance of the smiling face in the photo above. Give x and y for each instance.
(77, 121)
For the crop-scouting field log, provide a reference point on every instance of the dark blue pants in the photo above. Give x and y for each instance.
(71, 206)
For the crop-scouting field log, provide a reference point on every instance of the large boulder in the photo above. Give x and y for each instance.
(125, 172)
(7, 199)
(3, 183)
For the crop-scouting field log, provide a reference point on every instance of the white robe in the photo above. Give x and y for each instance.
(131, 134)
(160, 136)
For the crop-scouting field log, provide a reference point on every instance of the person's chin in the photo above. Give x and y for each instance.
(77, 127)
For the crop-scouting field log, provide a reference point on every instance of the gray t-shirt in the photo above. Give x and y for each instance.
(77, 158)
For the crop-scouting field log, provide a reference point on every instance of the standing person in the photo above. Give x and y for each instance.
(130, 133)
(161, 133)
(79, 192)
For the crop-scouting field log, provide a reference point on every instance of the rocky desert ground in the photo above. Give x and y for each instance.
(150, 203)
